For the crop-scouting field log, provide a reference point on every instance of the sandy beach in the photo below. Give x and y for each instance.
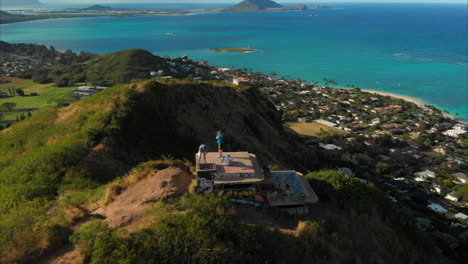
(414, 100)
(404, 97)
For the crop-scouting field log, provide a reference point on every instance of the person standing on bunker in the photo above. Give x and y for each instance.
(220, 141)
(202, 150)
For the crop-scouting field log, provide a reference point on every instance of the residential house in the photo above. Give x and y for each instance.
(375, 121)
(461, 216)
(306, 119)
(426, 174)
(392, 125)
(327, 123)
(329, 146)
(437, 208)
(460, 177)
(453, 196)
(460, 126)
(436, 188)
(455, 133)
(159, 73)
(413, 144)
(241, 81)
(442, 149)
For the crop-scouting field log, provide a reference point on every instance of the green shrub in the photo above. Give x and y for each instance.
(197, 229)
(463, 191)
(349, 193)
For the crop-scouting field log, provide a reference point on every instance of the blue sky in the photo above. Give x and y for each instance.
(236, 1)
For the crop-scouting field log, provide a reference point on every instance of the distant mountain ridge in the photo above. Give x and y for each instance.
(98, 8)
(6, 17)
(253, 5)
(261, 5)
(9, 3)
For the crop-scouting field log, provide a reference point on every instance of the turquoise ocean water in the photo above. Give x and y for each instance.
(420, 50)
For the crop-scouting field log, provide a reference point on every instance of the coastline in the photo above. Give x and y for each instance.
(411, 99)
(417, 101)
(408, 98)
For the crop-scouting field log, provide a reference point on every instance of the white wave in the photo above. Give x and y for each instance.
(421, 57)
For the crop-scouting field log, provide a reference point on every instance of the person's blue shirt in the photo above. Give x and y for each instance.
(220, 139)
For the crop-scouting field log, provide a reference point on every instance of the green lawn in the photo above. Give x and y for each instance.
(49, 95)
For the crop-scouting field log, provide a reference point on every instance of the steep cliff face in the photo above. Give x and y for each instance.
(175, 118)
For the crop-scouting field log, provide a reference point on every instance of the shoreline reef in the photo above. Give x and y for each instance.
(407, 98)
(232, 50)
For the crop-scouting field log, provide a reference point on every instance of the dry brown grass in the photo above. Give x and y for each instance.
(13, 79)
(136, 175)
(193, 187)
(301, 228)
(112, 190)
(313, 129)
(74, 214)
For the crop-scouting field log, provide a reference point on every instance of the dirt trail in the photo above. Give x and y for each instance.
(129, 207)
(127, 210)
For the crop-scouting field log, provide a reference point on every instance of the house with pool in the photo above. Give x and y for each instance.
(239, 175)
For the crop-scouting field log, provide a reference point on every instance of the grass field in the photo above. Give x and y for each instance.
(48, 95)
(313, 129)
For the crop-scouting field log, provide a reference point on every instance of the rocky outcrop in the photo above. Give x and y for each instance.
(128, 207)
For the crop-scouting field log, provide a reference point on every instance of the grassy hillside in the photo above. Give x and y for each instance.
(61, 156)
(356, 224)
(111, 69)
(55, 166)
(47, 96)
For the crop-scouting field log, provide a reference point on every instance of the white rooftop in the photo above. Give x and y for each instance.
(327, 123)
(329, 146)
(426, 174)
(461, 216)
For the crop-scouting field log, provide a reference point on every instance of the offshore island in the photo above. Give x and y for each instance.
(232, 49)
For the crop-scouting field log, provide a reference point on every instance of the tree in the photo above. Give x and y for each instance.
(41, 76)
(20, 92)
(52, 51)
(22, 117)
(9, 105)
(29, 114)
(11, 91)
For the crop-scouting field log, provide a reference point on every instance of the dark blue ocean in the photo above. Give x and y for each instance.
(419, 50)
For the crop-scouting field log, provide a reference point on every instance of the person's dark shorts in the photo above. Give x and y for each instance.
(220, 145)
